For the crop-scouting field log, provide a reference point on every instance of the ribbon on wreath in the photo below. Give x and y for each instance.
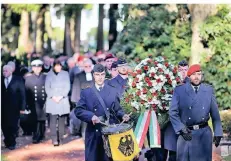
(148, 120)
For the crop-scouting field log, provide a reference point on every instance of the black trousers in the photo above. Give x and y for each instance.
(57, 126)
(172, 156)
(9, 131)
(39, 131)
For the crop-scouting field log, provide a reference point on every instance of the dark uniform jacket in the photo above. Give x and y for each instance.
(119, 83)
(87, 107)
(170, 137)
(189, 109)
(80, 83)
(36, 95)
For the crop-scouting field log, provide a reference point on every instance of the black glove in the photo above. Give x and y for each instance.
(186, 134)
(217, 140)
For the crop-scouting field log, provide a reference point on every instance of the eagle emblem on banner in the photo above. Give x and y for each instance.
(126, 145)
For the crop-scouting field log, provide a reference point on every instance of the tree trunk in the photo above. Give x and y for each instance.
(24, 40)
(198, 12)
(34, 29)
(40, 29)
(100, 43)
(48, 30)
(77, 30)
(112, 25)
(67, 38)
(72, 30)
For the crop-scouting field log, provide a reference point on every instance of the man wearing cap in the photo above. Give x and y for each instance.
(120, 81)
(114, 70)
(192, 105)
(170, 137)
(93, 112)
(108, 62)
(36, 97)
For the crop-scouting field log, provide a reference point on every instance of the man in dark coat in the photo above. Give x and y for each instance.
(36, 97)
(121, 80)
(170, 137)
(91, 110)
(192, 105)
(81, 81)
(13, 102)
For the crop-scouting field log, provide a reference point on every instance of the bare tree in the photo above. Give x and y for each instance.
(100, 43)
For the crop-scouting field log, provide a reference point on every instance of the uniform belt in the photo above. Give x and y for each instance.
(196, 127)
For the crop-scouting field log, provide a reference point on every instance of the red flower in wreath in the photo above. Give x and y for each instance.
(149, 84)
(145, 91)
(154, 107)
(167, 76)
(133, 84)
(139, 71)
(162, 91)
(145, 67)
(138, 93)
(158, 80)
(133, 74)
(136, 80)
(178, 80)
(147, 79)
(166, 64)
(154, 94)
(160, 70)
(152, 74)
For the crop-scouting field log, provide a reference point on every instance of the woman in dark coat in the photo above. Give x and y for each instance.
(57, 86)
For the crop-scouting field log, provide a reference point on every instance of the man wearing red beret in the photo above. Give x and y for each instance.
(108, 62)
(192, 105)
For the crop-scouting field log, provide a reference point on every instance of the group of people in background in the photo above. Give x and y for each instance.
(60, 91)
(30, 93)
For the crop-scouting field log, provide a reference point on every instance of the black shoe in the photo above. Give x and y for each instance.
(35, 141)
(11, 147)
(56, 143)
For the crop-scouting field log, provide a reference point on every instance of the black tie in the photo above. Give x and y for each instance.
(100, 88)
(196, 89)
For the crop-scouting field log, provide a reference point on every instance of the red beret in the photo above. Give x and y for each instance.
(193, 68)
(81, 58)
(109, 56)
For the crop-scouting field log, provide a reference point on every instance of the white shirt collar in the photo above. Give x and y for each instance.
(9, 79)
(88, 76)
(97, 86)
